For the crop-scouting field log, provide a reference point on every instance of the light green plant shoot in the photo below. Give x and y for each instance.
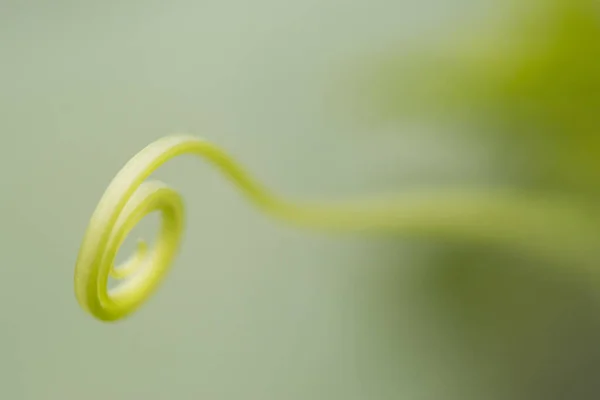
(542, 227)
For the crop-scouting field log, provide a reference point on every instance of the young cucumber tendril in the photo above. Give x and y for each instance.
(536, 225)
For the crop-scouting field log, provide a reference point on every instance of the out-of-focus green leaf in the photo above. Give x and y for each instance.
(535, 84)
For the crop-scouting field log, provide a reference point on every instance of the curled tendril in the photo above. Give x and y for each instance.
(490, 215)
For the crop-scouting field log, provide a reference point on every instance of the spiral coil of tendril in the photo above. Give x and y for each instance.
(486, 215)
(126, 201)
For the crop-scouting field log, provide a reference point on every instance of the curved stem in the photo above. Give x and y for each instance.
(543, 227)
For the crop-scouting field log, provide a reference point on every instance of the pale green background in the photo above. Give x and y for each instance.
(252, 310)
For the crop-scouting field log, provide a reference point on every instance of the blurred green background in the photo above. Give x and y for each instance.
(303, 94)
